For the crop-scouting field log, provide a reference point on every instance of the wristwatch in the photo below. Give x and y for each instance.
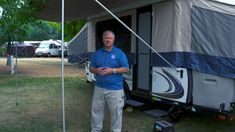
(114, 70)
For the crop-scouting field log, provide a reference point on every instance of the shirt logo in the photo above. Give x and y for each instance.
(113, 57)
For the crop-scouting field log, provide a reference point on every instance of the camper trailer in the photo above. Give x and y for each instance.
(195, 36)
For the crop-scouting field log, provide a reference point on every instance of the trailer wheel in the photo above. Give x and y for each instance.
(48, 54)
(175, 113)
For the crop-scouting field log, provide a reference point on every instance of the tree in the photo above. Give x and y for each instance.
(16, 15)
(43, 30)
(72, 28)
(18, 23)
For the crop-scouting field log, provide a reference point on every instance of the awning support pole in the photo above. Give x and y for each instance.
(16, 75)
(62, 65)
(136, 35)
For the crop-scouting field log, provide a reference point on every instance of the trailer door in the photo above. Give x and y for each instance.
(142, 80)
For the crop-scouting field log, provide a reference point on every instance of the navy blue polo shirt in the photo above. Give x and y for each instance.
(113, 59)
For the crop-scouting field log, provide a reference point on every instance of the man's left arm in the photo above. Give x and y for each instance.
(108, 71)
(120, 70)
(123, 63)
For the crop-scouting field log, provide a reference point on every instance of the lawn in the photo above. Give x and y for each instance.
(39, 108)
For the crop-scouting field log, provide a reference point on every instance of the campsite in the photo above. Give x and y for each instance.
(178, 55)
(39, 108)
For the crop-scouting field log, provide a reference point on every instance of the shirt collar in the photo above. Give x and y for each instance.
(113, 49)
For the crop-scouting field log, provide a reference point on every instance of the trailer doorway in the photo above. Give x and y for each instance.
(143, 53)
(122, 35)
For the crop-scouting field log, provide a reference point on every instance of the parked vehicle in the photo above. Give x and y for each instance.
(65, 51)
(48, 48)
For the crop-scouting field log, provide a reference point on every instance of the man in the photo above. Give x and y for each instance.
(108, 63)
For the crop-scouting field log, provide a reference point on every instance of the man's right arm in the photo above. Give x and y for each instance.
(95, 70)
(92, 69)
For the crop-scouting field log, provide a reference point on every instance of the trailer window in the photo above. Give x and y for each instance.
(123, 36)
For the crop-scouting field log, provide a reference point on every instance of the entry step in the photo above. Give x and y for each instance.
(156, 113)
(133, 103)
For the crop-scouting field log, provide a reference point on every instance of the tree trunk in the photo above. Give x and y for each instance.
(8, 46)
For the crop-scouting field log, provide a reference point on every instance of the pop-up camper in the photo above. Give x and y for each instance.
(195, 36)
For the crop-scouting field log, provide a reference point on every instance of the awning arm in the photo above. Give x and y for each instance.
(136, 35)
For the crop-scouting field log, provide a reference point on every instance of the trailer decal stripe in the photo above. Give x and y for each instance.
(178, 91)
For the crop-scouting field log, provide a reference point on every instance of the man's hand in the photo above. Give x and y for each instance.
(97, 71)
(106, 71)
(103, 71)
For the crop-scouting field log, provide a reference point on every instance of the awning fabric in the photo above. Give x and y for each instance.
(77, 9)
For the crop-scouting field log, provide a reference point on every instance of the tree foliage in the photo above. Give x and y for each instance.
(42, 30)
(16, 16)
(72, 28)
(18, 23)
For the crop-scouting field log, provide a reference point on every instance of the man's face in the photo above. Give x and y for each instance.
(108, 40)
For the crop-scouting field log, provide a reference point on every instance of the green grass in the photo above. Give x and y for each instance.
(204, 123)
(39, 108)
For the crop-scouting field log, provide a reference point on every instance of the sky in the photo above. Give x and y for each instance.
(0, 12)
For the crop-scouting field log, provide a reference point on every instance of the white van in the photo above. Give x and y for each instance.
(48, 48)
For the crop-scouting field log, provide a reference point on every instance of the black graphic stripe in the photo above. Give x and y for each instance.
(178, 92)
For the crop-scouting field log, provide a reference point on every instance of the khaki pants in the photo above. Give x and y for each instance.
(115, 102)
